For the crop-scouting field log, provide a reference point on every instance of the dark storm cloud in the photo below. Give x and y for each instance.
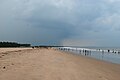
(60, 21)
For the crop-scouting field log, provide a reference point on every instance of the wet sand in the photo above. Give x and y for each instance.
(49, 64)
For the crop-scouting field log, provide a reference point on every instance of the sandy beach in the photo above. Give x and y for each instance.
(50, 64)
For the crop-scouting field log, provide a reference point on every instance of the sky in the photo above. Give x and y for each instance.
(61, 22)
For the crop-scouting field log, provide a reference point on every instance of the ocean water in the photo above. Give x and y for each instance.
(102, 53)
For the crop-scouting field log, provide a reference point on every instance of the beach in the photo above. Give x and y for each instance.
(51, 64)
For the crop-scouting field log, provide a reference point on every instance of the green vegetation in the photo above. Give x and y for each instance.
(13, 44)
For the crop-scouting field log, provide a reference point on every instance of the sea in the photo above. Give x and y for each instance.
(109, 54)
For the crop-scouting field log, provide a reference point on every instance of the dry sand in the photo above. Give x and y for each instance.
(48, 64)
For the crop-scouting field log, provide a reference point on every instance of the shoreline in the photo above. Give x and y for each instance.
(50, 64)
(79, 55)
(94, 53)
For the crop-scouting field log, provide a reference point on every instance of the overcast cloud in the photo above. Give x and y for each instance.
(64, 22)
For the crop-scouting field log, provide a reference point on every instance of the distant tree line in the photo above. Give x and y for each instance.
(13, 44)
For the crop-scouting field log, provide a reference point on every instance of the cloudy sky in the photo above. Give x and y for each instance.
(61, 22)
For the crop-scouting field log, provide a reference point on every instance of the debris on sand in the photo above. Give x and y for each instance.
(4, 67)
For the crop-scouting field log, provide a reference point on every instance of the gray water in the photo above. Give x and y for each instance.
(98, 53)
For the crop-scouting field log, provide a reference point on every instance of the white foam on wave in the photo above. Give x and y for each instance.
(73, 48)
(92, 49)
